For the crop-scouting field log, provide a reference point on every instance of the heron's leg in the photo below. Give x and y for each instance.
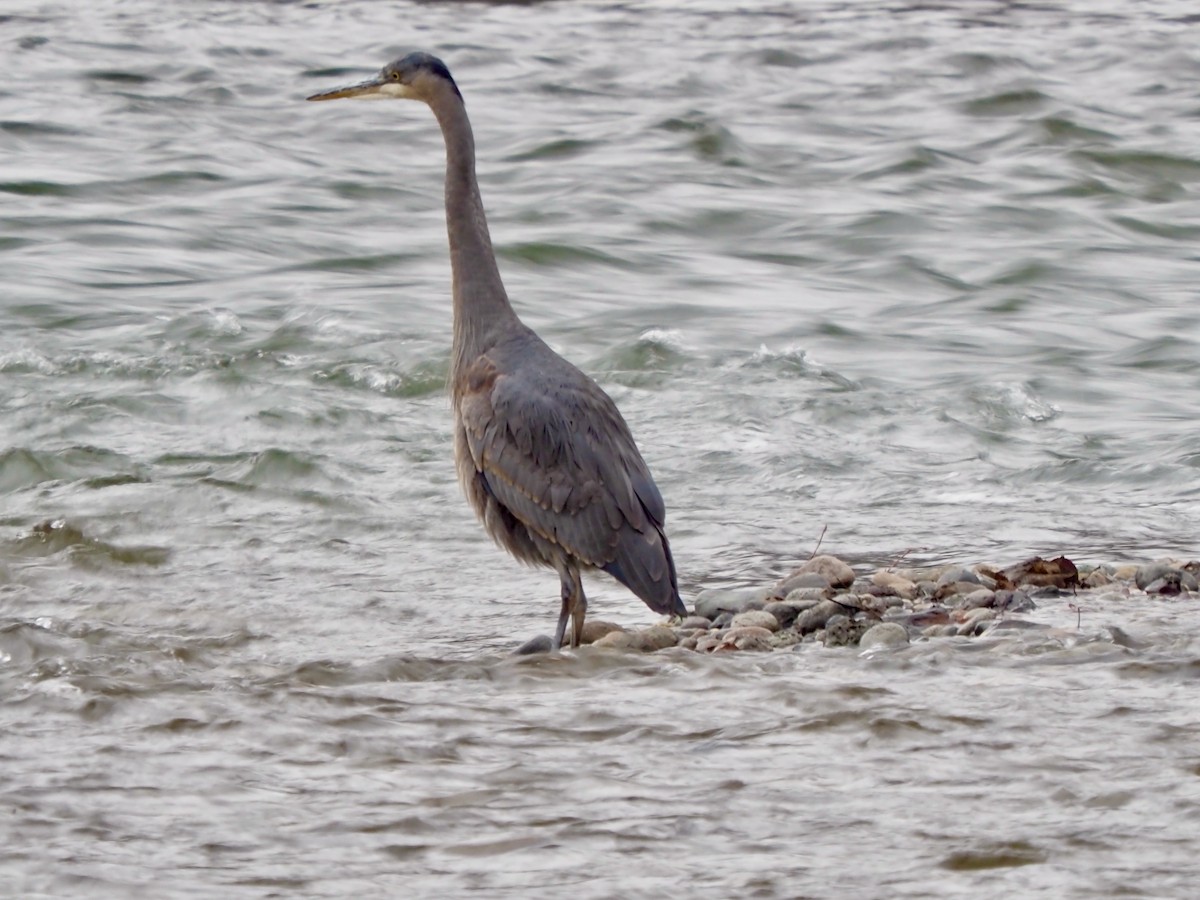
(578, 609)
(574, 607)
(568, 589)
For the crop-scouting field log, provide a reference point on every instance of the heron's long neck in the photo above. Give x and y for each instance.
(481, 306)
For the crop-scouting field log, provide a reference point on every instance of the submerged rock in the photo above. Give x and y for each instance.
(1164, 578)
(539, 644)
(884, 635)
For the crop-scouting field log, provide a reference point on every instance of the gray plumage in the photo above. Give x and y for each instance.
(543, 454)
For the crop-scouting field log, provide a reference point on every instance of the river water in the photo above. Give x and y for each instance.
(919, 277)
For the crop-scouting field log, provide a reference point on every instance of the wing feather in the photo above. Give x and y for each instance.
(555, 452)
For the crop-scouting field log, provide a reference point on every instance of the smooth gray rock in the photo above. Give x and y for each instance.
(755, 618)
(800, 580)
(897, 584)
(1013, 601)
(539, 644)
(785, 613)
(816, 617)
(1167, 586)
(711, 602)
(842, 631)
(884, 635)
(835, 572)
(958, 573)
(747, 637)
(807, 597)
(1152, 572)
(976, 599)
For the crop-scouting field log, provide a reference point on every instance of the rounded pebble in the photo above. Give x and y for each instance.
(884, 635)
(898, 584)
(539, 644)
(816, 617)
(956, 574)
(784, 613)
(748, 637)
(712, 602)
(594, 629)
(758, 618)
(835, 572)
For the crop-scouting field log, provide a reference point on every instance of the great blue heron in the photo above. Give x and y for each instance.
(543, 454)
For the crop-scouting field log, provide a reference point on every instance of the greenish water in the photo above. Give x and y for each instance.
(920, 277)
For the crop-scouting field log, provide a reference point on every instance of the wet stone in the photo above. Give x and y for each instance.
(884, 635)
(935, 615)
(594, 629)
(1125, 573)
(695, 623)
(656, 637)
(1010, 624)
(949, 630)
(784, 613)
(1165, 578)
(975, 622)
(784, 638)
(1013, 601)
(796, 581)
(1167, 586)
(841, 631)
(976, 599)
(711, 602)
(953, 589)
(539, 644)
(835, 572)
(758, 618)
(878, 605)
(816, 617)
(897, 584)
(958, 574)
(747, 637)
(807, 597)
(1152, 572)
(618, 640)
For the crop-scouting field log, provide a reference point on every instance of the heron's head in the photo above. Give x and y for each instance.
(418, 76)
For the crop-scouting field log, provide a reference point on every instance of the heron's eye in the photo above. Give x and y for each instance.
(395, 76)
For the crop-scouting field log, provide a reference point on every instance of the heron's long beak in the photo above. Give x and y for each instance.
(366, 90)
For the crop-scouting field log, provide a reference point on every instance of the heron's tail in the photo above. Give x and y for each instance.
(644, 565)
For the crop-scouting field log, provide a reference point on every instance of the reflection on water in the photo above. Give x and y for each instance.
(918, 280)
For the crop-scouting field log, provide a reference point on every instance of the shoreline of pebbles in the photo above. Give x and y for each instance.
(826, 601)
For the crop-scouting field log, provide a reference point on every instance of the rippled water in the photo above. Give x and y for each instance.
(920, 275)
